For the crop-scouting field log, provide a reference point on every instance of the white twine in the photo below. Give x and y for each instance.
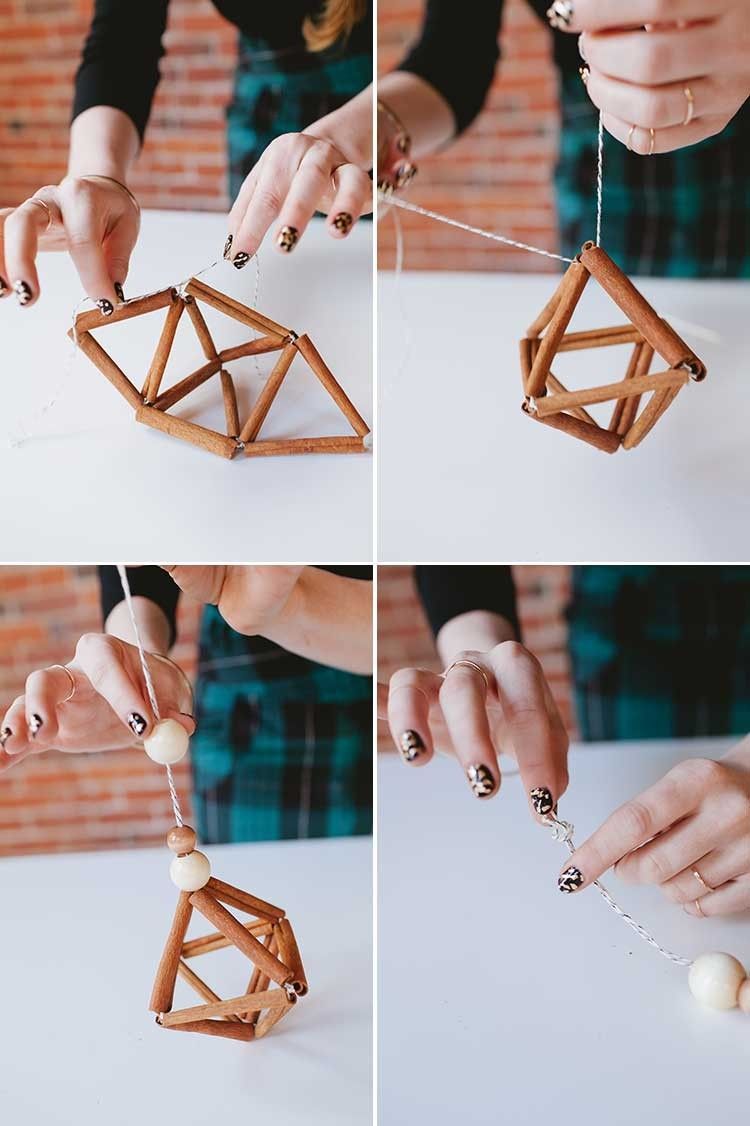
(599, 180)
(563, 831)
(122, 572)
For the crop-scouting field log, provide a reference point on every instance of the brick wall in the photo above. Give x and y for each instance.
(183, 164)
(405, 639)
(62, 802)
(498, 174)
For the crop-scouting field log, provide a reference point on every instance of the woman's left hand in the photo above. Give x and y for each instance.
(680, 68)
(689, 834)
(298, 174)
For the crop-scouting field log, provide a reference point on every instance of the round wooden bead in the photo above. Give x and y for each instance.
(744, 996)
(167, 743)
(190, 872)
(181, 839)
(715, 980)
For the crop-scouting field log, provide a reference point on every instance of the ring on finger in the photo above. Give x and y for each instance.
(690, 111)
(71, 678)
(41, 203)
(631, 131)
(698, 908)
(706, 887)
(466, 663)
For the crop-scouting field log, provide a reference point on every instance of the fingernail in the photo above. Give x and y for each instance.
(35, 723)
(582, 48)
(570, 880)
(119, 291)
(3, 287)
(584, 73)
(481, 780)
(405, 173)
(386, 187)
(287, 239)
(105, 307)
(343, 222)
(411, 746)
(403, 142)
(240, 260)
(22, 291)
(137, 723)
(542, 800)
(227, 245)
(5, 734)
(560, 14)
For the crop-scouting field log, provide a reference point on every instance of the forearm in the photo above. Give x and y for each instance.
(349, 128)
(476, 629)
(153, 624)
(425, 114)
(328, 619)
(103, 142)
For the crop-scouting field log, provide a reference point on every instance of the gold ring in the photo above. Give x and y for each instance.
(652, 133)
(71, 678)
(690, 105)
(631, 131)
(701, 881)
(41, 203)
(469, 665)
(698, 908)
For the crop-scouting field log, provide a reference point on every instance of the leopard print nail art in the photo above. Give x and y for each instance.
(3, 286)
(35, 723)
(542, 800)
(105, 307)
(405, 173)
(119, 291)
(137, 723)
(411, 746)
(5, 734)
(343, 222)
(287, 239)
(22, 291)
(227, 246)
(240, 260)
(570, 880)
(481, 780)
(560, 14)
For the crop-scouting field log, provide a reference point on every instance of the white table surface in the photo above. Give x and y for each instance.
(503, 1001)
(98, 485)
(80, 941)
(464, 476)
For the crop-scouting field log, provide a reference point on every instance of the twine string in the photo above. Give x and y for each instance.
(122, 572)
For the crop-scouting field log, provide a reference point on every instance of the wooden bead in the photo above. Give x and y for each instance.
(167, 743)
(743, 997)
(191, 872)
(715, 980)
(181, 839)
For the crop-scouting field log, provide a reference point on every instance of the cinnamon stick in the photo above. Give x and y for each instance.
(186, 385)
(257, 347)
(234, 308)
(599, 338)
(201, 328)
(262, 406)
(538, 326)
(291, 957)
(603, 439)
(200, 986)
(626, 409)
(271, 999)
(258, 954)
(251, 904)
(334, 389)
(123, 312)
(258, 980)
(229, 395)
(270, 447)
(272, 1017)
(650, 415)
(107, 366)
(239, 1031)
(638, 385)
(163, 348)
(571, 288)
(660, 335)
(166, 975)
(554, 384)
(217, 940)
(188, 431)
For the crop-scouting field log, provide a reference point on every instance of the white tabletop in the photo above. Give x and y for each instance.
(94, 484)
(465, 477)
(502, 1001)
(80, 941)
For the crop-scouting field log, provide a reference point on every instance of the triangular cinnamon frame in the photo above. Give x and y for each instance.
(151, 407)
(267, 940)
(549, 402)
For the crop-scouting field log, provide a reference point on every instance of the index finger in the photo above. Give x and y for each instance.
(411, 693)
(22, 230)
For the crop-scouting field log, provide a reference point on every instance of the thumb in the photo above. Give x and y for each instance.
(202, 583)
(118, 248)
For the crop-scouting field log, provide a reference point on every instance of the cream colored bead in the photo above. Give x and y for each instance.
(744, 996)
(167, 743)
(190, 872)
(715, 980)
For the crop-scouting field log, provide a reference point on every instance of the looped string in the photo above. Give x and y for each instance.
(122, 572)
(563, 831)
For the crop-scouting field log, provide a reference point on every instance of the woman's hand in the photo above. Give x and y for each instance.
(689, 834)
(475, 719)
(94, 219)
(97, 702)
(680, 67)
(251, 600)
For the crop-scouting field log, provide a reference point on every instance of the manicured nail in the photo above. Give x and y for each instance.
(385, 186)
(405, 173)
(542, 800)
(227, 246)
(560, 14)
(287, 239)
(35, 723)
(105, 307)
(403, 142)
(582, 48)
(137, 723)
(3, 287)
(240, 260)
(481, 780)
(411, 746)
(5, 734)
(119, 291)
(570, 880)
(584, 73)
(22, 291)
(343, 222)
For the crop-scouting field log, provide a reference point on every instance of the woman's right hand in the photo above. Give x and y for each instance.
(93, 218)
(97, 702)
(511, 711)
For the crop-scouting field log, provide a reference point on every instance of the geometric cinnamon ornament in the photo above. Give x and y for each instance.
(267, 940)
(548, 401)
(151, 406)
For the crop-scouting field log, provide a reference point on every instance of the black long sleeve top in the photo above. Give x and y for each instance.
(447, 592)
(120, 63)
(457, 51)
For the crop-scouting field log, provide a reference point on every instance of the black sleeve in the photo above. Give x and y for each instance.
(148, 582)
(447, 592)
(120, 62)
(457, 53)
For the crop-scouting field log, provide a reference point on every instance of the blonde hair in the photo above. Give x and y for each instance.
(335, 21)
